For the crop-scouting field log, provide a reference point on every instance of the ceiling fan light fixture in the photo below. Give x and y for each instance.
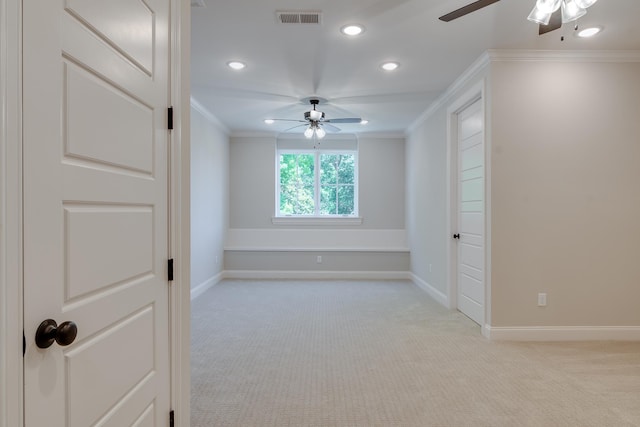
(352, 30)
(320, 133)
(571, 11)
(585, 3)
(308, 133)
(539, 16)
(548, 6)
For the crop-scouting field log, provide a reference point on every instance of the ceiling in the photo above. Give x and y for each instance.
(290, 62)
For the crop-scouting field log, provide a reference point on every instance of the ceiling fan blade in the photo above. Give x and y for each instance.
(472, 7)
(345, 120)
(332, 128)
(292, 128)
(554, 23)
(289, 120)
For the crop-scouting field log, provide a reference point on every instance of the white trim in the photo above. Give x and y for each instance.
(197, 106)
(564, 55)
(433, 292)
(247, 134)
(281, 135)
(316, 239)
(381, 135)
(314, 249)
(476, 92)
(179, 221)
(495, 55)
(316, 220)
(11, 324)
(563, 333)
(203, 287)
(316, 275)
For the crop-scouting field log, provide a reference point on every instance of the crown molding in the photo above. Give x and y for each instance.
(499, 55)
(197, 106)
(270, 135)
(329, 137)
(471, 73)
(524, 55)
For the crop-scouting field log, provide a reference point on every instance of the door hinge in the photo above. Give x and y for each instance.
(170, 270)
(171, 419)
(24, 344)
(170, 118)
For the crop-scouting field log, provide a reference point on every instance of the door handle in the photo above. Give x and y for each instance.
(49, 331)
(456, 236)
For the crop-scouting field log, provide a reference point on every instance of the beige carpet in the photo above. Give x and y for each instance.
(343, 353)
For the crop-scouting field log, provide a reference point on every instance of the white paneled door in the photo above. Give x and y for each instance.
(471, 242)
(95, 97)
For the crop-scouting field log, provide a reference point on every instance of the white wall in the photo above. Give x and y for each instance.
(381, 182)
(563, 135)
(381, 206)
(209, 198)
(426, 200)
(566, 204)
(428, 228)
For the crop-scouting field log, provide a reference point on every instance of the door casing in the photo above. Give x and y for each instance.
(11, 284)
(475, 92)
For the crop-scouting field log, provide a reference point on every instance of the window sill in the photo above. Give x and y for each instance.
(316, 220)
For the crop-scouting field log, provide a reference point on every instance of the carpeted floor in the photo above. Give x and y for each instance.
(374, 353)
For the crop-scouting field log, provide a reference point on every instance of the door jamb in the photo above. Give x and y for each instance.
(476, 92)
(179, 212)
(11, 321)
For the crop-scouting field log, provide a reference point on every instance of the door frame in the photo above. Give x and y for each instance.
(11, 244)
(476, 92)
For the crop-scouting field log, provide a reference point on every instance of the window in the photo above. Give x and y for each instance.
(317, 183)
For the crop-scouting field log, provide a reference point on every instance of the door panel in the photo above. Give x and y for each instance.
(127, 25)
(95, 211)
(128, 228)
(471, 218)
(116, 129)
(119, 373)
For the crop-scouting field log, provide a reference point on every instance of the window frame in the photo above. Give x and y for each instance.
(317, 217)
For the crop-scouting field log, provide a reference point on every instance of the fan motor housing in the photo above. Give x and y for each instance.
(319, 115)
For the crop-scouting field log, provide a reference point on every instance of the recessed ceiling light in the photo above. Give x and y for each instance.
(390, 66)
(364, 122)
(269, 121)
(236, 65)
(352, 29)
(589, 32)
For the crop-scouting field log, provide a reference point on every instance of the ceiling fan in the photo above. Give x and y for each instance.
(315, 121)
(550, 14)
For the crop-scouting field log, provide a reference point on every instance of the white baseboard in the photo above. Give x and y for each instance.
(314, 275)
(563, 333)
(204, 286)
(433, 292)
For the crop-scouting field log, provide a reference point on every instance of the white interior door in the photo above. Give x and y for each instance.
(95, 95)
(471, 242)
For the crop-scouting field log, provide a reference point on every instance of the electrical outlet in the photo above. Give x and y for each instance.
(319, 259)
(542, 299)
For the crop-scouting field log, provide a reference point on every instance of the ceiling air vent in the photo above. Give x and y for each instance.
(299, 17)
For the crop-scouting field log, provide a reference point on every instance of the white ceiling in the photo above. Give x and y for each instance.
(289, 62)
